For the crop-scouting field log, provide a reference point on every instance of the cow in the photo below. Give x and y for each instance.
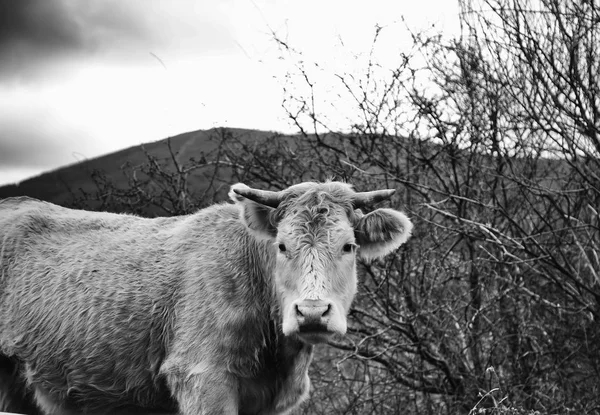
(216, 312)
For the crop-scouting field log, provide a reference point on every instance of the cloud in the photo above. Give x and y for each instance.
(39, 24)
(38, 36)
(29, 150)
(35, 139)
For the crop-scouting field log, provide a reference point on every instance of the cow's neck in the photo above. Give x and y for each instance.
(281, 380)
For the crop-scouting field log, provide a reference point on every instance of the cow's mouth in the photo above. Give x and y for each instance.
(314, 333)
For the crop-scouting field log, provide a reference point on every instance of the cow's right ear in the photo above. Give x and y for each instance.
(257, 218)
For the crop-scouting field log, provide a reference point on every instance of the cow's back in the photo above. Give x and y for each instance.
(86, 299)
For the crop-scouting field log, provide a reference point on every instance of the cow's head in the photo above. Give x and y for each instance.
(318, 231)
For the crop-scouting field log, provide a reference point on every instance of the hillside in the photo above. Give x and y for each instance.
(238, 147)
(63, 185)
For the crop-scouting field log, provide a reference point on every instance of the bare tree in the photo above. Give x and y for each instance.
(164, 184)
(498, 154)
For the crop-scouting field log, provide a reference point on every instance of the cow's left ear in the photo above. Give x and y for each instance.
(380, 232)
(257, 218)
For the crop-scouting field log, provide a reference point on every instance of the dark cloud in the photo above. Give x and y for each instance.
(30, 147)
(38, 24)
(34, 33)
(38, 37)
(29, 152)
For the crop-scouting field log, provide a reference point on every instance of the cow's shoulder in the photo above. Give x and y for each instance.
(22, 203)
(24, 206)
(20, 215)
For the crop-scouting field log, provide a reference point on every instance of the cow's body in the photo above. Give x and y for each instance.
(106, 311)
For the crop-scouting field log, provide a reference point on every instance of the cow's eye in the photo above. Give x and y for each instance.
(348, 248)
(282, 248)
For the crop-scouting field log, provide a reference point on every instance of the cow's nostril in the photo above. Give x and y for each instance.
(312, 309)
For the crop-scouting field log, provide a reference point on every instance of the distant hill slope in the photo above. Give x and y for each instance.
(61, 185)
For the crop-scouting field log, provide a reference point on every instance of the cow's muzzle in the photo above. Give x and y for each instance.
(314, 318)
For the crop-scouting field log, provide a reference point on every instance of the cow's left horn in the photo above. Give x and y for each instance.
(361, 199)
(264, 197)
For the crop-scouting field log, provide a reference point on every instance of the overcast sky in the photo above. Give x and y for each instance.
(83, 78)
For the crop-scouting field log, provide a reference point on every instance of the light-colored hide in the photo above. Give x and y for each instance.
(214, 312)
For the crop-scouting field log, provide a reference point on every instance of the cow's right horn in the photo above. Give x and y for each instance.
(264, 197)
(361, 199)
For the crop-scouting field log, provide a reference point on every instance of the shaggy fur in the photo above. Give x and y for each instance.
(108, 312)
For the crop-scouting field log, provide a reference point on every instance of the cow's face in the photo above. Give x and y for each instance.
(315, 273)
(317, 234)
